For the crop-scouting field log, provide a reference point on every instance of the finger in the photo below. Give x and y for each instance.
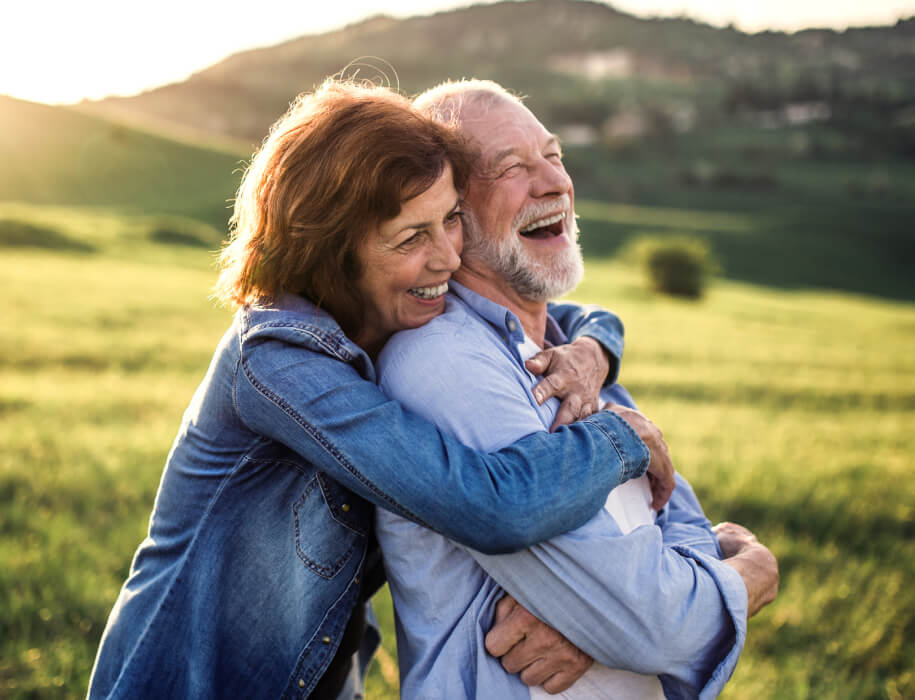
(661, 491)
(519, 658)
(662, 484)
(505, 634)
(504, 608)
(561, 681)
(536, 673)
(548, 387)
(540, 362)
(660, 475)
(569, 411)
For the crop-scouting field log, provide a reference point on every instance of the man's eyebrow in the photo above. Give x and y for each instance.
(552, 141)
(504, 153)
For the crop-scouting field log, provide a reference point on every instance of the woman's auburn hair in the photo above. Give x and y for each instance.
(342, 160)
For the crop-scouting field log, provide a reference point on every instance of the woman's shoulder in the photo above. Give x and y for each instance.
(279, 332)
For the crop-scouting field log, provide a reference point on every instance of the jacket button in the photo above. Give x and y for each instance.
(356, 580)
(301, 683)
(345, 507)
(325, 640)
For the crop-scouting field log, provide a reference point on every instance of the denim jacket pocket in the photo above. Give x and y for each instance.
(323, 507)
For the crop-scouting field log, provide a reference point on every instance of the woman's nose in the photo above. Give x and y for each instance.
(447, 256)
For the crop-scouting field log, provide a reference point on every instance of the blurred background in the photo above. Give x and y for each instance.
(764, 153)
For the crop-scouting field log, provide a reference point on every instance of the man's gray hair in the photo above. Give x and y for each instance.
(447, 101)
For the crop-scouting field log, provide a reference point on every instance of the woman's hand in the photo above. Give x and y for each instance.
(660, 467)
(525, 645)
(574, 373)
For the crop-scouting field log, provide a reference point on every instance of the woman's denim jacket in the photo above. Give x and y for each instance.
(259, 536)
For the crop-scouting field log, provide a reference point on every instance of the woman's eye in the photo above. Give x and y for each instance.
(455, 217)
(411, 241)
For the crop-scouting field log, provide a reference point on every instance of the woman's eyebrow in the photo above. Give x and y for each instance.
(427, 224)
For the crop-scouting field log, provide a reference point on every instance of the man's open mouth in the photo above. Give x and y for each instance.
(545, 228)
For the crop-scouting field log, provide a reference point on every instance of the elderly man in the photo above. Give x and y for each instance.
(645, 594)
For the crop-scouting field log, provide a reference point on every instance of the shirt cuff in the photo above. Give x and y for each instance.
(633, 453)
(734, 594)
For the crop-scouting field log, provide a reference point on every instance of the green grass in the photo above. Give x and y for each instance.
(790, 412)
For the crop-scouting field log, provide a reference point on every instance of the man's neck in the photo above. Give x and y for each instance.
(486, 283)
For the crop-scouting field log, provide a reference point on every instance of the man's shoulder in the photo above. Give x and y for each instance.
(454, 330)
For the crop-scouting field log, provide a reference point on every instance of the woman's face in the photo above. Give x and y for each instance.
(407, 262)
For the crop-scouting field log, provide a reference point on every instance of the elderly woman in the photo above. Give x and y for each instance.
(347, 228)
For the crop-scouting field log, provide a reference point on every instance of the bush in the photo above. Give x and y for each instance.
(23, 234)
(179, 231)
(677, 265)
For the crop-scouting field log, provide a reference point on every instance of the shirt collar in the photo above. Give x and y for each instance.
(502, 319)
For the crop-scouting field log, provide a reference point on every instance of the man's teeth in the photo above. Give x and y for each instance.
(429, 292)
(549, 221)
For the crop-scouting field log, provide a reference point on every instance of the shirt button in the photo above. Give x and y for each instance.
(301, 683)
(325, 640)
(512, 326)
(345, 507)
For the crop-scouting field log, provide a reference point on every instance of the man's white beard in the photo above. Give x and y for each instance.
(533, 279)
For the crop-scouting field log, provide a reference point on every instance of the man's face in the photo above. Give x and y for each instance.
(521, 219)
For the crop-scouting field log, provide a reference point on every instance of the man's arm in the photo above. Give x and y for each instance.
(626, 600)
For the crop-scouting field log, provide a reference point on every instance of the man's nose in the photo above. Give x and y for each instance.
(550, 179)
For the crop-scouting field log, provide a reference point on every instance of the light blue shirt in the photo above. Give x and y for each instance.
(655, 601)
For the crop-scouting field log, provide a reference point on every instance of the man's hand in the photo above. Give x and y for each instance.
(574, 373)
(754, 562)
(660, 467)
(539, 653)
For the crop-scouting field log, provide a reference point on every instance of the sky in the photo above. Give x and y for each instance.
(62, 51)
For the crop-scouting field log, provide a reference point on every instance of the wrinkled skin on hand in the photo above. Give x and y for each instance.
(539, 653)
(660, 468)
(754, 562)
(575, 374)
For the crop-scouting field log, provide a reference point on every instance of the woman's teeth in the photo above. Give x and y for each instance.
(429, 292)
(541, 223)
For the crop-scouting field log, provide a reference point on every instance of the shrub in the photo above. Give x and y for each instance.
(179, 231)
(677, 265)
(24, 234)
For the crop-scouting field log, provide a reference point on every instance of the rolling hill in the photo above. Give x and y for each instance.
(581, 62)
(55, 155)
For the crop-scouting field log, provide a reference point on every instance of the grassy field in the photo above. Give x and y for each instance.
(790, 411)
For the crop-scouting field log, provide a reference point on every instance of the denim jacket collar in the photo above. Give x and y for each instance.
(294, 319)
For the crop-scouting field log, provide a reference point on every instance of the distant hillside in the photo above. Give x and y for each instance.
(54, 155)
(582, 63)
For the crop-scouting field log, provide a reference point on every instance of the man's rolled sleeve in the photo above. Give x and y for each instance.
(734, 597)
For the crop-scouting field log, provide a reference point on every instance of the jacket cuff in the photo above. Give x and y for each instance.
(633, 453)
